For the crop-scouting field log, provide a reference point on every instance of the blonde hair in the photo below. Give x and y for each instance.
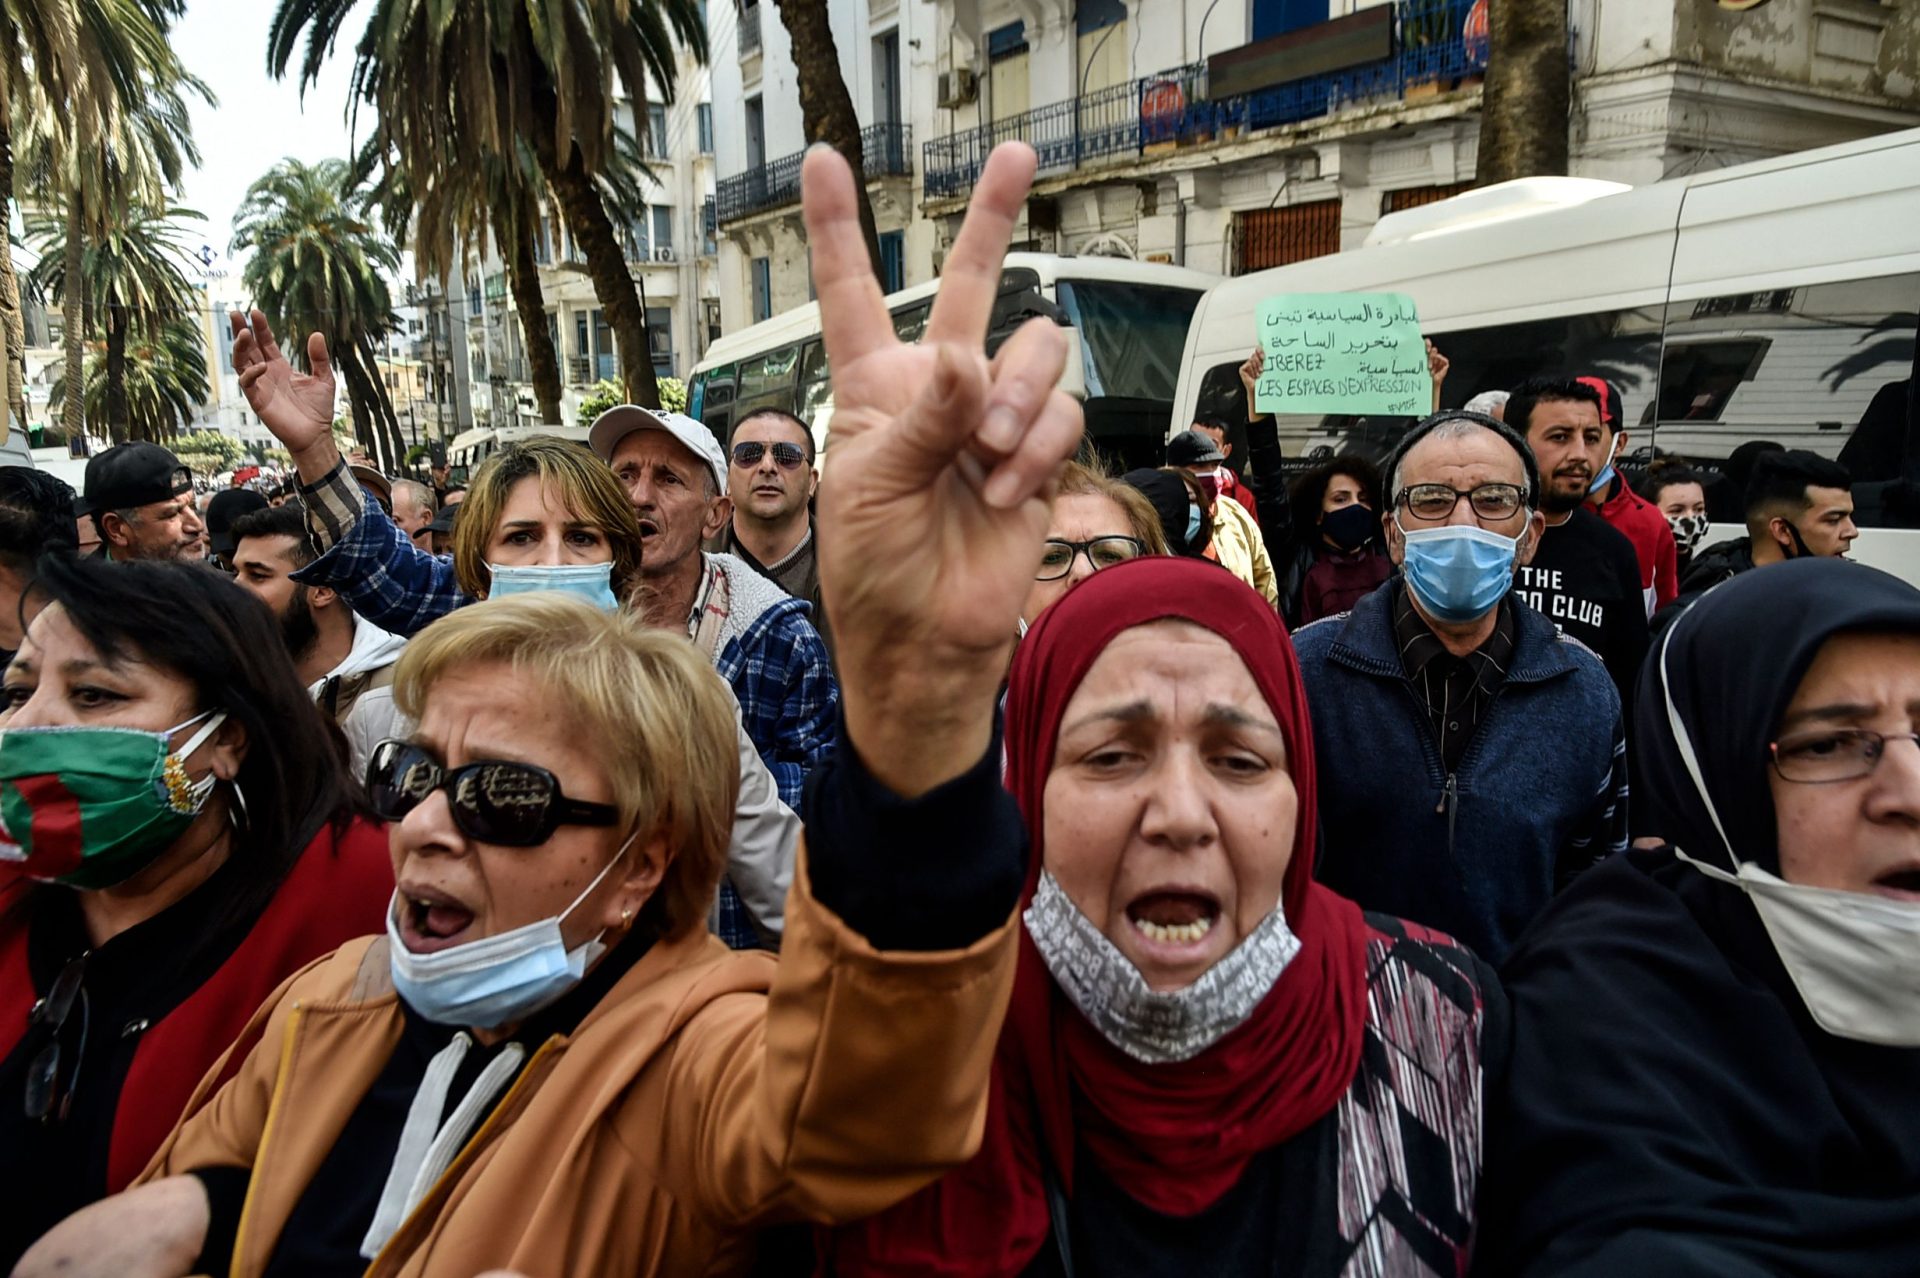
(650, 704)
(1078, 479)
(581, 482)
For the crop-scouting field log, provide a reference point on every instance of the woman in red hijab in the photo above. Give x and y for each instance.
(1211, 1064)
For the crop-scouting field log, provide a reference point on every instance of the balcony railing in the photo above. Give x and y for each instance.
(749, 31)
(1174, 107)
(707, 216)
(887, 151)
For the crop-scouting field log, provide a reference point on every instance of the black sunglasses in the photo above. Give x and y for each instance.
(749, 454)
(515, 805)
(46, 1098)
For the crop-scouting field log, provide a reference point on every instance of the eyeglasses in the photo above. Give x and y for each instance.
(1833, 754)
(1056, 559)
(787, 455)
(513, 804)
(46, 1098)
(1436, 501)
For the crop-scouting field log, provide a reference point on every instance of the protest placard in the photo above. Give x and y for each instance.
(1354, 353)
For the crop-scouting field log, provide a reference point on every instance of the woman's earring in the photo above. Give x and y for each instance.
(626, 918)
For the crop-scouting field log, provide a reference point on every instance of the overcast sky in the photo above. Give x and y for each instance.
(260, 120)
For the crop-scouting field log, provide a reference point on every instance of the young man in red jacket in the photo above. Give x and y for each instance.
(1638, 519)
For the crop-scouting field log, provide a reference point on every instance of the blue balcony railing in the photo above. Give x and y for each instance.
(1174, 106)
(887, 151)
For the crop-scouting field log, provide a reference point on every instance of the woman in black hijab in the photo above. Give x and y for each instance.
(1716, 1066)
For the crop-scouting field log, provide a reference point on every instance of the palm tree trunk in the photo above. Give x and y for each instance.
(523, 276)
(1523, 111)
(13, 329)
(592, 229)
(386, 420)
(362, 399)
(73, 419)
(826, 108)
(115, 405)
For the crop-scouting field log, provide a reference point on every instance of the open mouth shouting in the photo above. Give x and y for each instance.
(649, 528)
(1900, 885)
(1174, 927)
(431, 919)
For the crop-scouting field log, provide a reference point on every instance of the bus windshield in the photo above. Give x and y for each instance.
(1131, 335)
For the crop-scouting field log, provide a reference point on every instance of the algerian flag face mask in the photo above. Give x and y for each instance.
(92, 807)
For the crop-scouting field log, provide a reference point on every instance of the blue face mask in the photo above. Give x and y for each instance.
(1605, 477)
(497, 980)
(1458, 572)
(1193, 525)
(591, 582)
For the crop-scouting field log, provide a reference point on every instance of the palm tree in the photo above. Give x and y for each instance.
(1523, 111)
(826, 108)
(126, 151)
(132, 275)
(472, 80)
(166, 379)
(319, 266)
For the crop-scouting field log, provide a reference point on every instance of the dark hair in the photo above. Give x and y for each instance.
(1212, 423)
(1664, 474)
(1781, 480)
(1307, 492)
(194, 622)
(289, 520)
(1390, 469)
(806, 431)
(1544, 390)
(44, 504)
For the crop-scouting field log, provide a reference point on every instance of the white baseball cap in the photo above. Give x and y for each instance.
(622, 420)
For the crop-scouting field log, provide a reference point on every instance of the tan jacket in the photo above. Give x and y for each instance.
(709, 1093)
(1242, 550)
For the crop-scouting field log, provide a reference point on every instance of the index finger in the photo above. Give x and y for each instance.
(853, 313)
(971, 278)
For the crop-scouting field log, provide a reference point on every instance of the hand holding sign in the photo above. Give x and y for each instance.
(1342, 353)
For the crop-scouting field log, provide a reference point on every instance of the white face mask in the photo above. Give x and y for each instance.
(1854, 958)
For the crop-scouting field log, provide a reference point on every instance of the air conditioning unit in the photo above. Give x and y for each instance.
(958, 87)
(663, 254)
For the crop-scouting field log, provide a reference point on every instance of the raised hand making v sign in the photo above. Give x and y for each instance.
(944, 465)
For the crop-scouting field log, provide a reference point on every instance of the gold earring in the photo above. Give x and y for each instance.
(626, 918)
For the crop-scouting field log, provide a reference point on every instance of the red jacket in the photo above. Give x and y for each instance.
(339, 889)
(1641, 523)
(1231, 486)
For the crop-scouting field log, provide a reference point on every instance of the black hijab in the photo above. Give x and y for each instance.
(1672, 1108)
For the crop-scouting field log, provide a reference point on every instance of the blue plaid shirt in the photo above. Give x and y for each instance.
(778, 669)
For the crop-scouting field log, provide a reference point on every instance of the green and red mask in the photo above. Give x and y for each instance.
(92, 807)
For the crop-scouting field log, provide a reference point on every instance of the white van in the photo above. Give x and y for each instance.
(1773, 301)
(1124, 321)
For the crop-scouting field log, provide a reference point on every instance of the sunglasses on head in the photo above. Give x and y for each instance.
(516, 805)
(787, 455)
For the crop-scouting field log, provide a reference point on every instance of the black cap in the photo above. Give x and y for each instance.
(129, 475)
(224, 511)
(1191, 448)
(444, 517)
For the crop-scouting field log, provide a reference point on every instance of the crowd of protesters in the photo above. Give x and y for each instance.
(1438, 863)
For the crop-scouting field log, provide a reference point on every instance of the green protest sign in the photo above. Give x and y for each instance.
(1342, 353)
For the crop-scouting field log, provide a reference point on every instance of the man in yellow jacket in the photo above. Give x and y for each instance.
(1237, 542)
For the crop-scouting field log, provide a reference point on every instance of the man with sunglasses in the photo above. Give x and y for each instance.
(1471, 756)
(772, 478)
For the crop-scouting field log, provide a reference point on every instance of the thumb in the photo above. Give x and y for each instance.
(926, 438)
(317, 358)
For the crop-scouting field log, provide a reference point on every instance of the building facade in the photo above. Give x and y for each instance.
(1236, 135)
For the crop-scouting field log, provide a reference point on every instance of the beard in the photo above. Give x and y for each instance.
(1554, 500)
(297, 628)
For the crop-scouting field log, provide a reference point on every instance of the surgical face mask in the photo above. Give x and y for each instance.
(1109, 991)
(497, 980)
(1854, 958)
(92, 807)
(1688, 531)
(591, 582)
(1458, 572)
(1193, 526)
(1605, 477)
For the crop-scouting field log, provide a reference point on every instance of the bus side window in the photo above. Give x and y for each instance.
(714, 406)
(815, 388)
(768, 381)
(1823, 367)
(910, 322)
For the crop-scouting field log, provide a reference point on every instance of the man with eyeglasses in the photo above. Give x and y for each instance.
(1471, 756)
(1585, 576)
(771, 476)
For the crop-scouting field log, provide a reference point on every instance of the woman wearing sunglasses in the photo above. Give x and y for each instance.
(1716, 1060)
(177, 841)
(544, 1064)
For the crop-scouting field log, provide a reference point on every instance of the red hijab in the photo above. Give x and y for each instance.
(1175, 1136)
